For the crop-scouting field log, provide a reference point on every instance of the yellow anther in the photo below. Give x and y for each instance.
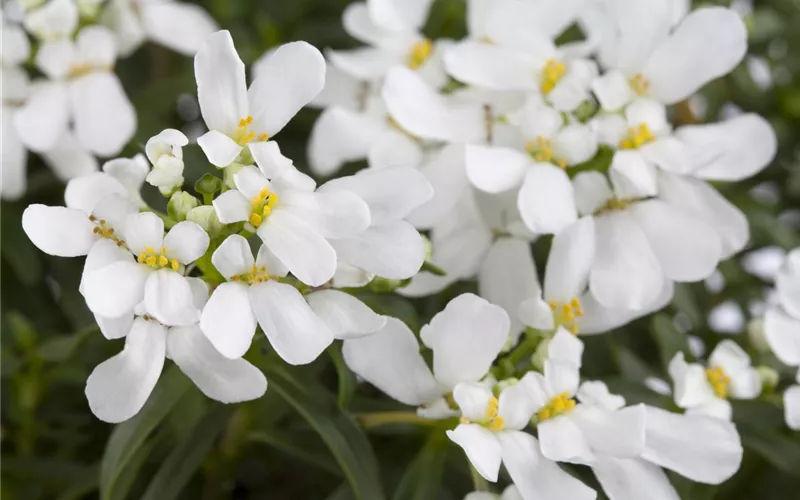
(163, 261)
(273, 200)
(637, 137)
(565, 314)
(491, 408)
(262, 205)
(157, 260)
(639, 84)
(464, 420)
(254, 275)
(150, 261)
(243, 134)
(266, 210)
(149, 250)
(141, 258)
(719, 381)
(496, 424)
(553, 304)
(541, 149)
(175, 265)
(419, 53)
(255, 220)
(552, 73)
(558, 405)
(263, 137)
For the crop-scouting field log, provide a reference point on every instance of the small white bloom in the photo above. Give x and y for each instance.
(55, 20)
(131, 172)
(120, 386)
(237, 116)
(165, 152)
(782, 321)
(705, 390)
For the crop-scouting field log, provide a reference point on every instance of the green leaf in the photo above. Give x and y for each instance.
(433, 269)
(423, 479)
(127, 477)
(82, 485)
(670, 340)
(208, 184)
(17, 249)
(179, 467)
(127, 438)
(775, 447)
(296, 445)
(345, 439)
(347, 380)
(61, 348)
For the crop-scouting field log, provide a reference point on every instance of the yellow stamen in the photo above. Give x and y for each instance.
(541, 149)
(558, 405)
(261, 206)
(419, 53)
(255, 220)
(243, 135)
(157, 260)
(566, 314)
(637, 137)
(719, 381)
(639, 84)
(552, 73)
(254, 275)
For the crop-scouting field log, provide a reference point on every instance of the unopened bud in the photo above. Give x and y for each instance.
(755, 332)
(180, 204)
(769, 377)
(206, 217)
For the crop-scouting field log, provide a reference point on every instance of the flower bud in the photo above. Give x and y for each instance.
(180, 204)
(769, 377)
(755, 332)
(206, 217)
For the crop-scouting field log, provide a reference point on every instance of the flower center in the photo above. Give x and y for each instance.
(566, 314)
(639, 84)
(614, 205)
(157, 260)
(558, 405)
(254, 275)
(419, 53)
(243, 134)
(490, 420)
(552, 73)
(541, 149)
(82, 69)
(105, 231)
(262, 205)
(719, 381)
(637, 136)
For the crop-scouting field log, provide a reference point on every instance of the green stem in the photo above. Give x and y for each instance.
(478, 482)
(377, 419)
(525, 348)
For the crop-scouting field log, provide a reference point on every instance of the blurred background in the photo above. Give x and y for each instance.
(297, 442)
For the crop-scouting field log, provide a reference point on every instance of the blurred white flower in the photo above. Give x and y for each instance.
(782, 320)
(15, 87)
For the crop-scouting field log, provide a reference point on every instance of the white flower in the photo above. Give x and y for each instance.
(165, 152)
(520, 57)
(491, 433)
(293, 220)
(56, 20)
(791, 405)
(640, 245)
(118, 387)
(180, 26)
(15, 51)
(131, 172)
(465, 337)
(82, 90)
(390, 247)
(390, 28)
(705, 390)
(237, 116)
(644, 59)
(545, 200)
(152, 274)
(782, 320)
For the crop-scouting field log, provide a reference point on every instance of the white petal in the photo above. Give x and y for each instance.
(358, 23)
(591, 192)
(635, 30)
(691, 385)
(60, 231)
(403, 15)
(293, 330)
(299, 247)
(633, 175)
(425, 113)
(250, 181)
(562, 440)
(481, 446)
(707, 44)
(648, 112)
(220, 149)
(394, 148)
(729, 356)
(570, 261)
(186, 242)
(43, 119)
(715, 407)
(103, 252)
(534, 475)
(86, 192)
(345, 315)
(348, 276)
(629, 479)
(687, 249)
(168, 298)
(612, 90)
(339, 136)
(232, 206)
(104, 117)
(668, 153)
(522, 24)
(508, 277)
(445, 172)
(180, 26)
(596, 393)
(472, 399)
(791, 407)
(390, 360)
(394, 250)
(115, 328)
(227, 320)
(270, 160)
(220, 378)
(600, 319)
(731, 150)
(787, 283)
(573, 88)
(495, 170)
(516, 406)
(536, 313)
(233, 256)
(782, 332)
(265, 258)
(619, 433)
(118, 387)
(124, 21)
(390, 193)
(565, 346)
(331, 214)
(292, 76)
(492, 66)
(626, 273)
(96, 45)
(704, 202)
(68, 159)
(703, 449)
(465, 337)
(144, 230)
(546, 200)
(539, 120)
(56, 19)
(221, 88)
(365, 63)
(609, 128)
(575, 143)
(115, 289)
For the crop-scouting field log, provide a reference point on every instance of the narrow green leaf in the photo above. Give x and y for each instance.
(423, 478)
(670, 340)
(60, 348)
(347, 442)
(294, 445)
(347, 380)
(127, 476)
(779, 449)
(129, 436)
(179, 467)
(17, 249)
(83, 484)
